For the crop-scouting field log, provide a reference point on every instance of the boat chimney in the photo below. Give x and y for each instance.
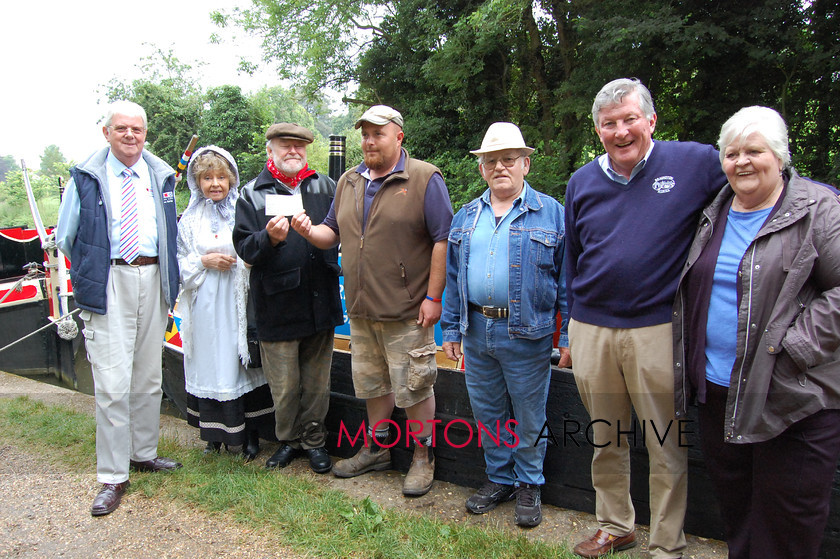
(337, 156)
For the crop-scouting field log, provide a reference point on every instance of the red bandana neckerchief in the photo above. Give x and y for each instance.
(291, 182)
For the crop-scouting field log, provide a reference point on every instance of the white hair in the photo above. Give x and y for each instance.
(126, 108)
(763, 120)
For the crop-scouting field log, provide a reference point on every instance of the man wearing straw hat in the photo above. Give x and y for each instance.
(505, 285)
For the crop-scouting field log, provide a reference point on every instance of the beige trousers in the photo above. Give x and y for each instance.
(615, 370)
(124, 349)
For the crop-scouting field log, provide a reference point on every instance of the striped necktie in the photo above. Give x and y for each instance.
(129, 234)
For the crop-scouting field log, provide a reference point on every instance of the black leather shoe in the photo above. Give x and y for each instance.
(283, 457)
(108, 499)
(159, 464)
(250, 450)
(213, 447)
(319, 460)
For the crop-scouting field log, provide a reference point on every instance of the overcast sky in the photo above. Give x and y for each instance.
(57, 54)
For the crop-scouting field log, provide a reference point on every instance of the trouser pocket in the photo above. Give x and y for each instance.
(422, 368)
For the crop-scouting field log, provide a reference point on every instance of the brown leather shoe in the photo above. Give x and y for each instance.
(108, 498)
(364, 461)
(604, 542)
(159, 464)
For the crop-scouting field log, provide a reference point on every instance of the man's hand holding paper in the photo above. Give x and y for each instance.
(283, 204)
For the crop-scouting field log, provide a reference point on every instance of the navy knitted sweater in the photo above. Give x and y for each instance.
(626, 244)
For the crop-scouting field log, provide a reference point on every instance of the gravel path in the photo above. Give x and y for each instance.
(46, 513)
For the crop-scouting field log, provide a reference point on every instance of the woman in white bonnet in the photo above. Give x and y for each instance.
(228, 400)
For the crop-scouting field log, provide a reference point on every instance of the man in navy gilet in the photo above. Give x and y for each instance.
(117, 223)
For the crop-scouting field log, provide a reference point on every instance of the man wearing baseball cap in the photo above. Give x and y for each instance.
(392, 216)
(505, 286)
(294, 286)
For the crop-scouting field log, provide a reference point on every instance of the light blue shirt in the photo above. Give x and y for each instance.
(722, 322)
(487, 268)
(606, 165)
(142, 183)
(68, 217)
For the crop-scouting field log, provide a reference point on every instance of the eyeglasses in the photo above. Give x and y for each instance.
(136, 130)
(506, 162)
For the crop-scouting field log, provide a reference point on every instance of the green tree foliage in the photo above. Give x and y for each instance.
(231, 121)
(14, 204)
(172, 99)
(54, 164)
(453, 68)
(318, 41)
(812, 111)
(282, 105)
(7, 164)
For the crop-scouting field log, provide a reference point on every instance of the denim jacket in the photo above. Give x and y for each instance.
(536, 289)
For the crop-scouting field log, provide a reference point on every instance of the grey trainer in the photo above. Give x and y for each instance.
(528, 510)
(488, 496)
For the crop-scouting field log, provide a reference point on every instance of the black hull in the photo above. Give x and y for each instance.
(44, 353)
(567, 465)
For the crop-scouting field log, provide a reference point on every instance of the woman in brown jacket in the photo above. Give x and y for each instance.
(756, 332)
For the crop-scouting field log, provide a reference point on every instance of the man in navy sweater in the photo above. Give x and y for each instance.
(630, 217)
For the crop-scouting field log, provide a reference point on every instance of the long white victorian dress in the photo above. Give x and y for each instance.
(228, 400)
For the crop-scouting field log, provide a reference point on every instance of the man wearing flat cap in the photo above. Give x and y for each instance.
(392, 215)
(505, 286)
(294, 286)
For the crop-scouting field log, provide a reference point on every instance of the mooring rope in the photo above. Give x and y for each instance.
(63, 319)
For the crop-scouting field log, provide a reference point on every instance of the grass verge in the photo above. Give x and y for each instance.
(318, 521)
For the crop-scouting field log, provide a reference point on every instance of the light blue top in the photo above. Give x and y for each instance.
(722, 322)
(487, 269)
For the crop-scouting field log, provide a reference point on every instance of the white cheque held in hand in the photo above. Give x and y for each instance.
(282, 204)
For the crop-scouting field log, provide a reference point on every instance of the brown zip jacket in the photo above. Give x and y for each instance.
(787, 365)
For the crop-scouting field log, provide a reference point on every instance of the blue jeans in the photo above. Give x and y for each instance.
(505, 375)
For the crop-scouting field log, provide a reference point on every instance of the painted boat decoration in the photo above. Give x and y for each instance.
(30, 303)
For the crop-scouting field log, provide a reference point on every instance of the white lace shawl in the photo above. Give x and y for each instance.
(187, 227)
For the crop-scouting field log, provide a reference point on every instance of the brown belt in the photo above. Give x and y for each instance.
(489, 312)
(139, 261)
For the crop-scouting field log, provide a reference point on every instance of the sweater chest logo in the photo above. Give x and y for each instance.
(403, 191)
(663, 184)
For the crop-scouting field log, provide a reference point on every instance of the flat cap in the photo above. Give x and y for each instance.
(289, 130)
(381, 115)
